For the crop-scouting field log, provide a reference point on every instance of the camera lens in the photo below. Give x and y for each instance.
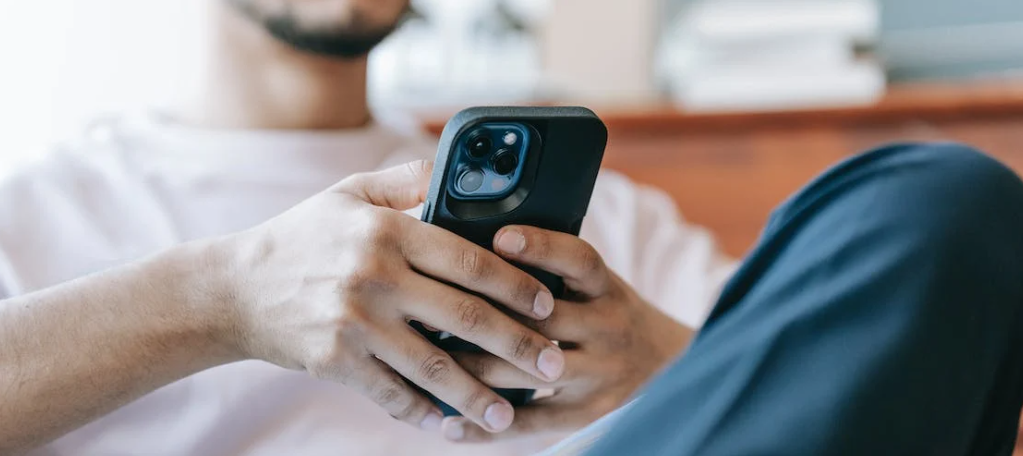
(479, 146)
(505, 162)
(470, 180)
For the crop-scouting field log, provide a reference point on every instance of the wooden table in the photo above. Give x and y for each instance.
(727, 171)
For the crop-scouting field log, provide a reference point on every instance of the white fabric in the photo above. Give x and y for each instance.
(587, 437)
(138, 184)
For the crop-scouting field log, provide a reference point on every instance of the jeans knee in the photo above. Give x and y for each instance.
(968, 171)
(948, 187)
(958, 209)
(934, 195)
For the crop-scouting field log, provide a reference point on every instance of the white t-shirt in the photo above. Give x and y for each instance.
(133, 185)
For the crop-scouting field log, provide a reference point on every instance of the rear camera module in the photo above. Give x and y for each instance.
(479, 146)
(510, 138)
(487, 163)
(505, 162)
(470, 180)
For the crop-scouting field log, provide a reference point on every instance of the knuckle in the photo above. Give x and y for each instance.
(371, 275)
(394, 397)
(351, 334)
(522, 345)
(471, 315)
(353, 326)
(382, 229)
(474, 265)
(387, 394)
(384, 238)
(436, 368)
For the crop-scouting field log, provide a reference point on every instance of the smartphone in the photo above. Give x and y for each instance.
(499, 166)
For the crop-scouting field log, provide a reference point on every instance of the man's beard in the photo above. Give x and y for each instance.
(348, 41)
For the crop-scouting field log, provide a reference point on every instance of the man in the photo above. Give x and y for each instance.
(279, 115)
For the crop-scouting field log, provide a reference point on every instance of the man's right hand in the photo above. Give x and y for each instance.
(330, 286)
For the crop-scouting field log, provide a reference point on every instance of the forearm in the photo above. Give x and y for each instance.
(75, 352)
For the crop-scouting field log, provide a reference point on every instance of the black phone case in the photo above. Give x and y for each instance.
(560, 171)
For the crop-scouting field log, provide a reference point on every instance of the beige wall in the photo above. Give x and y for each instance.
(603, 47)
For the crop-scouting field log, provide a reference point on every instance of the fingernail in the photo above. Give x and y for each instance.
(431, 422)
(551, 363)
(499, 416)
(543, 304)
(511, 241)
(454, 430)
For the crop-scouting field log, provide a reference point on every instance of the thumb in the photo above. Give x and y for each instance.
(401, 187)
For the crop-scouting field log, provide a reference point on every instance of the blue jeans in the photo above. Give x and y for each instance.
(881, 313)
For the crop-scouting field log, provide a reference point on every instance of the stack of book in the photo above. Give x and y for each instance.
(729, 55)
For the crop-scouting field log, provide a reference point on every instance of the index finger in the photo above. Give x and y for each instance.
(445, 256)
(574, 259)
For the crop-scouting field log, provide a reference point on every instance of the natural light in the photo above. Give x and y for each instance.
(68, 60)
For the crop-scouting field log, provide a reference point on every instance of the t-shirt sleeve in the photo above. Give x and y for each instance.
(676, 266)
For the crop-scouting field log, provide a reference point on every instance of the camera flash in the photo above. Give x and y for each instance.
(498, 184)
(510, 138)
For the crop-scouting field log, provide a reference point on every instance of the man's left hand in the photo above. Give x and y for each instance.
(613, 340)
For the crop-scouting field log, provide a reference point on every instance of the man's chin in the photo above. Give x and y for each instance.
(327, 44)
(348, 41)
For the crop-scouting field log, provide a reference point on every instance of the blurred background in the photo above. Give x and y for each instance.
(743, 100)
(728, 105)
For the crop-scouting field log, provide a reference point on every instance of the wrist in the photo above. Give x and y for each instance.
(203, 277)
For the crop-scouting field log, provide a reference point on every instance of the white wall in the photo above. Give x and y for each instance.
(64, 61)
